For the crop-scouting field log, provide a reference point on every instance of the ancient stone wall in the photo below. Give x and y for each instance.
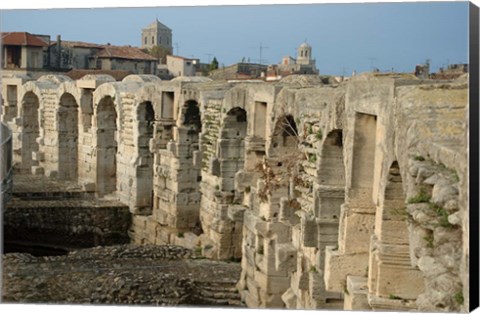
(331, 195)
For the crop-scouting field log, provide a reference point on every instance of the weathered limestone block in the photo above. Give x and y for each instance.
(285, 257)
(290, 299)
(355, 297)
(37, 170)
(360, 200)
(357, 232)
(309, 232)
(417, 242)
(442, 192)
(394, 232)
(398, 280)
(338, 266)
(384, 304)
(38, 156)
(272, 284)
(327, 231)
(236, 212)
(422, 214)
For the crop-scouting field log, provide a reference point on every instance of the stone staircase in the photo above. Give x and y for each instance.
(219, 293)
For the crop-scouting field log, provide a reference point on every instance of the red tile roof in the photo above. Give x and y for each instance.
(124, 52)
(79, 44)
(22, 39)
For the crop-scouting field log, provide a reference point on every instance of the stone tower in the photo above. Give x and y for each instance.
(304, 54)
(157, 34)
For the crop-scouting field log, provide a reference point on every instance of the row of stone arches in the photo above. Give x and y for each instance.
(63, 122)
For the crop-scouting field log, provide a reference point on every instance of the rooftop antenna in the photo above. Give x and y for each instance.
(177, 47)
(372, 59)
(209, 56)
(261, 47)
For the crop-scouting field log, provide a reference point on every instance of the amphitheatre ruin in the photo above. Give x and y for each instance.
(297, 194)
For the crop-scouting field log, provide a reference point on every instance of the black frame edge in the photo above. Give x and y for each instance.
(474, 156)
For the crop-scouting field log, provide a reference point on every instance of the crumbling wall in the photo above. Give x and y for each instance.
(330, 195)
(319, 191)
(432, 120)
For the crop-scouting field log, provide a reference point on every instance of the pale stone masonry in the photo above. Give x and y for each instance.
(347, 196)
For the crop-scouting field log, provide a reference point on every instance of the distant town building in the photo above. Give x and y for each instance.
(422, 71)
(452, 71)
(25, 51)
(71, 54)
(303, 64)
(239, 71)
(124, 58)
(22, 50)
(180, 66)
(157, 34)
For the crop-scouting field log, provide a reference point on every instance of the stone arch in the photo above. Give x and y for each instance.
(231, 145)
(67, 137)
(390, 224)
(331, 176)
(235, 124)
(390, 254)
(30, 130)
(285, 135)
(363, 160)
(191, 115)
(145, 118)
(107, 145)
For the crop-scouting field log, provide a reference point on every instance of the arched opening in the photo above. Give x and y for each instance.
(363, 162)
(193, 124)
(328, 199)
(146, 119)
(389, 257)
(67, 138)
(391, 225)
(285, 135)
(231, 147)
(235, 124)
(192, 116)
(30, 131)
(106, 146)
(331, 176)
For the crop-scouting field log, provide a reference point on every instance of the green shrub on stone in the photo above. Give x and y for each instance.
(458, 297)
(421, 197)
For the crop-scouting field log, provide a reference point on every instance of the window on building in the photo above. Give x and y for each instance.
(160, 40)
(153, 40)
(145, 40)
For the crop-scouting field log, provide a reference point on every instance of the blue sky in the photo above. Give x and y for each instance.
(344, 37)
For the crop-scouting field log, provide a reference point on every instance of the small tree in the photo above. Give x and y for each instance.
(214, 64)
(160, 53)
